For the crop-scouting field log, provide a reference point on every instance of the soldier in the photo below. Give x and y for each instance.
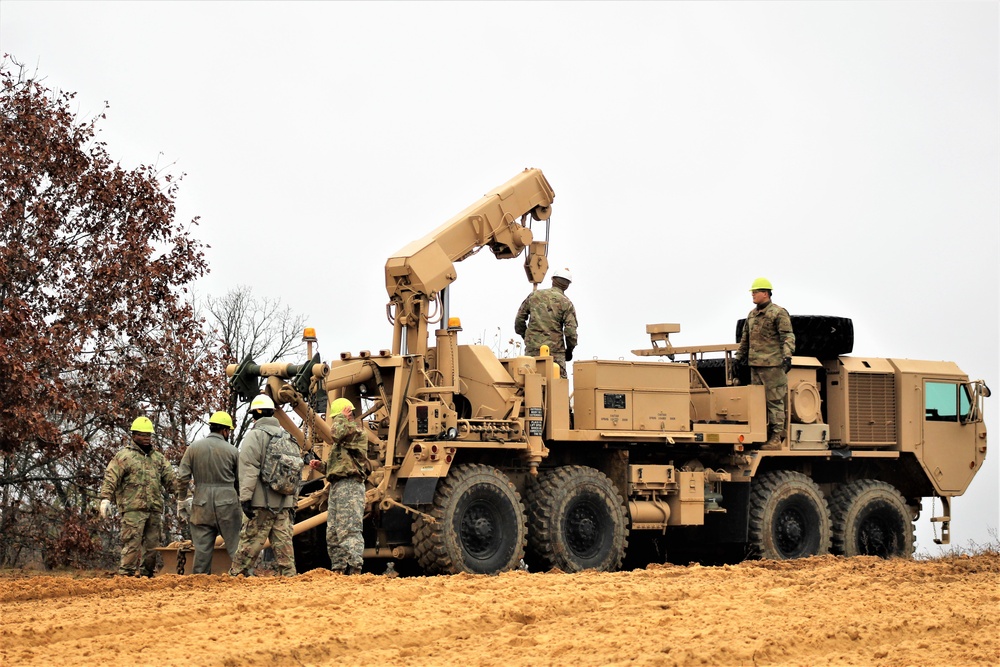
(768, 344)
(268, 513)
(134, 481)
(213, 463)
(545, 317)
(345, 470)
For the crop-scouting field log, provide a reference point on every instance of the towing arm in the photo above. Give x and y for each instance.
(420, 271)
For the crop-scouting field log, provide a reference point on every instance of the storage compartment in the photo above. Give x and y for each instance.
(631, 396)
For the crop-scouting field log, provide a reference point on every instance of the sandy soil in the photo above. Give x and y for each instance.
(818, 611)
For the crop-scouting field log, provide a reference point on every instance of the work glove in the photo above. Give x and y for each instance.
(569, 354)
(184, 509)
(786, 364)
(247, 509)
(106, 508)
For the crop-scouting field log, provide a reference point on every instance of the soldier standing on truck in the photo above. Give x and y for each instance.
(134, 481)
(767, 345)
(214, 510)
(548, 317)
(268, 513)
(345, 470)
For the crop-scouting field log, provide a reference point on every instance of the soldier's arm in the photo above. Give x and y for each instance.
(745, 340)
(785, 333)
(570, 326)
(111, 478)
(183, 476)
(521, 321)
(250, 453)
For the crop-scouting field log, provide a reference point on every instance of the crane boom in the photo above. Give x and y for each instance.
(415, 274)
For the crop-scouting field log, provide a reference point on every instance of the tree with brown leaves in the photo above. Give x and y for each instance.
(95, 324)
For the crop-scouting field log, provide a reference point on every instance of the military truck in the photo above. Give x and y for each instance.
(480, 464)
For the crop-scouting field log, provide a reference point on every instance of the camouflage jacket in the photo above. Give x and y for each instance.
(135, 481)
(767, 336)
(251, 459)
(544, 317)
(349, 451)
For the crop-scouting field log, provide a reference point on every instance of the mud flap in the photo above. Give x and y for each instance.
(419, 490)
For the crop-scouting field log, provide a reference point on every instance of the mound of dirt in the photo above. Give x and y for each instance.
(816, 611)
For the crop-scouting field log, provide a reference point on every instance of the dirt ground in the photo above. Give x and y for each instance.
(817, 611)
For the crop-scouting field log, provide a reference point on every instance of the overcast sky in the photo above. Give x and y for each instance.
(848, 151)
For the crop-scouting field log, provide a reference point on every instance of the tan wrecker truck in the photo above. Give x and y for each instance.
(478, 462)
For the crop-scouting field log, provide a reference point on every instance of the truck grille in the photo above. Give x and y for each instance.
(872, 408)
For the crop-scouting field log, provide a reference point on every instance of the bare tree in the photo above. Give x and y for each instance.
(256, 327)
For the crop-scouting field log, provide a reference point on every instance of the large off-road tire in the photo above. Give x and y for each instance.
(479, 526)
(576, 521)
(789, 517)
(821, 336)
(870, 518)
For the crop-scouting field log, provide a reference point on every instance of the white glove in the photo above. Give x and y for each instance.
(184, 509)
(105, 508)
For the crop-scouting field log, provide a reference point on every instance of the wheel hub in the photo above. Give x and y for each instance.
(582, 530)
(479, 530)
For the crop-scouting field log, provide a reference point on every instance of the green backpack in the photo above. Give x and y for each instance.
(281, 467)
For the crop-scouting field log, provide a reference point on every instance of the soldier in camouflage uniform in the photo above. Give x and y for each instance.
(134, 481)
(214, 510)
(345, 470)
(767, 345)
(269, 514)
(546, 317)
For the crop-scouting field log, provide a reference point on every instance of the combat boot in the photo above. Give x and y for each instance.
(773, 443)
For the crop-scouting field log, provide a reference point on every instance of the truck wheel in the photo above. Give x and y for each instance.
(789, 517)
(480, 525)
(576, 520)
(870, 518)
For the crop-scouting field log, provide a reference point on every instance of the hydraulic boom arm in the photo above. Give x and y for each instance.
(417, 273)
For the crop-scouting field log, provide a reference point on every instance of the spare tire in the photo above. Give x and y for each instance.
(821, 336)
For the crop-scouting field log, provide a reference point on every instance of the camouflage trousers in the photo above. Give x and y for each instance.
(266, 524)
(140, 537)
(775, 392)
(345, 513)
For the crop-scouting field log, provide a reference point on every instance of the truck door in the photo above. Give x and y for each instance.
(949, 442)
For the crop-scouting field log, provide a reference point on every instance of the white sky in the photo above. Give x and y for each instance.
(847, 151)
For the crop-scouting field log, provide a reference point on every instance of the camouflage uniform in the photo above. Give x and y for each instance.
(273, 512)
(134, 481)
(344, 468)
(767, 339)
(544, 317)
(215, 509)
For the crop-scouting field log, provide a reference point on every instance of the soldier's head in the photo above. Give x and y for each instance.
(342, 406)
(142, 432)
(760, 290)
(221, 423)
(561, 278)
(261, 406)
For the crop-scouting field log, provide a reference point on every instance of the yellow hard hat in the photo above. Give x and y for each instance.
(221, 418)
(338, 406)
(761, 283)
(262, 402)
(142, 425)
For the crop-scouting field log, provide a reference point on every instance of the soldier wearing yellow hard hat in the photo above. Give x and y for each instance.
(134, 482)
(214, 509)
(345, 470)
(767, 345)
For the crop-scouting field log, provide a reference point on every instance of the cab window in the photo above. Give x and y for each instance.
(945, 401)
